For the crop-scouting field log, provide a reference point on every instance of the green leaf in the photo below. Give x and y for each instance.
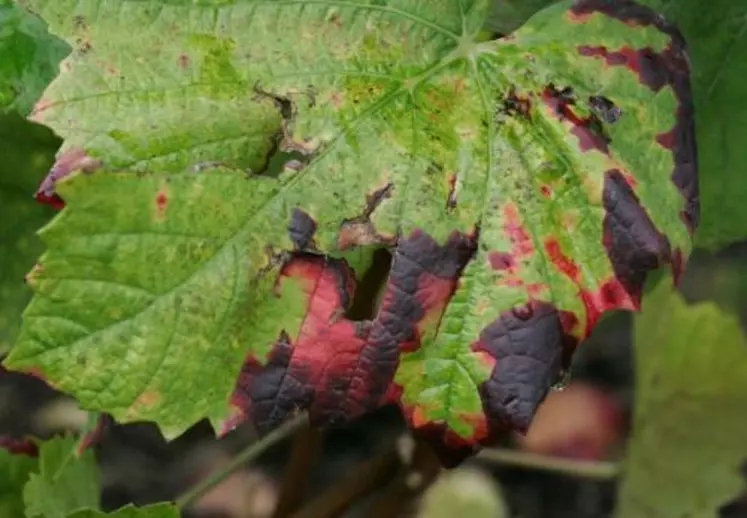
(505, 16)
(525, 187)
(463, 492)
(25, 155)
(688, 436)
(14, 472)
(30, 57)
(163, 510)
(65, 482)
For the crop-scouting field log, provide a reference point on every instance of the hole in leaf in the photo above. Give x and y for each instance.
(365, 303)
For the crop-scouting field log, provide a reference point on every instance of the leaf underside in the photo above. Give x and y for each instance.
(525, 186)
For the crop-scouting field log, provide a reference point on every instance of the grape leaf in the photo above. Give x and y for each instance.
(463, 492)
(716, 34)
(505, 16)
(65, 483)
(525, 187)
(30, 58)
(17, 461)
(152, 511)
(27, 151)
(688, 443)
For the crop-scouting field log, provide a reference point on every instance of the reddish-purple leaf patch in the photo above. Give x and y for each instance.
(75, 159)
(670, 68)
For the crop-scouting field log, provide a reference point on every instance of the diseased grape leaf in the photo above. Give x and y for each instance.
(152, 511)
(30, 57)
(716, 35)
(688, 446)
(65, 482)
(26, 152)
(525, 187)
(17, 461)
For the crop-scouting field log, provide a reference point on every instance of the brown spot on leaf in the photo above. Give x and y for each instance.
(360, 231)
(576, 17)
(607, 110)
(183, 61)
(147, 399)
(161, 203)
(516, 104)
(451, 200)
(588, 130)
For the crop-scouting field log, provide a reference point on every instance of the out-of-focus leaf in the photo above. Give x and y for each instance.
(29, 58)
(463, 493)
(690, 425)
(152, 511)
(26, 153)
(65, 483)
(505, 16)
(15, 469)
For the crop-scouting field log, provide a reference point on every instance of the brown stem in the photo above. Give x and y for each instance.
(306, 445)
(412, 480)
(251, 452)
(367, 477)
(577, 468)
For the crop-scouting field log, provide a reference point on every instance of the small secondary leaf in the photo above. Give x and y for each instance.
(17, 461)
(152, 511)
(525, 186)
(690, 423)
(65, 482)
(463, 492)
(30, 57)
(26, 152)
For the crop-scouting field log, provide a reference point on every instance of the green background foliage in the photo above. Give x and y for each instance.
(30, 57)
(60, 483)
(687, 448)
(26, 154)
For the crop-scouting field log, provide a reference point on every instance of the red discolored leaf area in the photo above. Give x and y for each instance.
(339, 369)
(313, 369)
(656, 70)
(75, 159)
(19, 446)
